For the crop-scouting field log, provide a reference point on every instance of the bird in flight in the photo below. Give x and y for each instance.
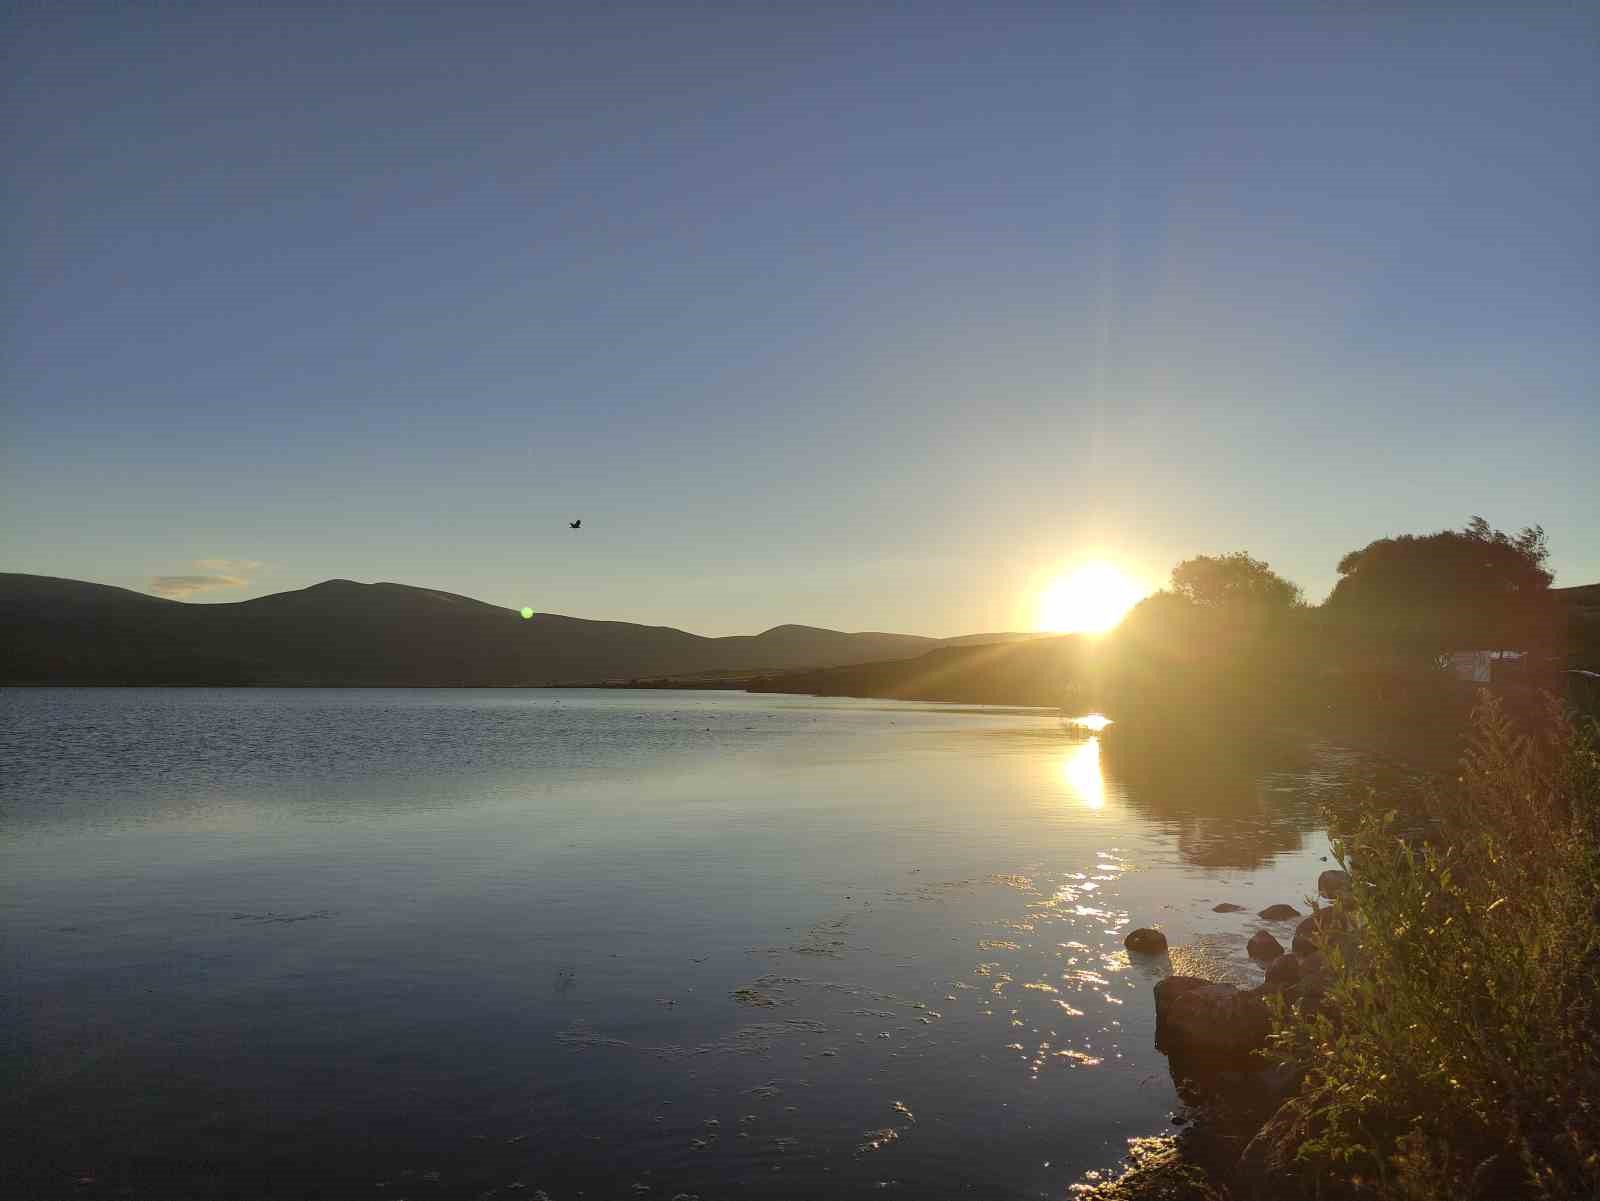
(575, 524)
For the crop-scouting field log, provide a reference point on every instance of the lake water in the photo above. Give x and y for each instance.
(459, 944)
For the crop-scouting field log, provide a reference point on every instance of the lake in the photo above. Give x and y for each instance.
(456, 944)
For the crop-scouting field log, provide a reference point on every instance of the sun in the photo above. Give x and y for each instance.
(1089, 600)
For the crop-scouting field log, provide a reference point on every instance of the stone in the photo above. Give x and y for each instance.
(1283, 972)
(1215, 1022)
(1145, 941)
(1308, 935)
(1169, 990)
(1313, 973)
(1263, 946)
(1333, 883)
(1278, 913)
(1227, 907)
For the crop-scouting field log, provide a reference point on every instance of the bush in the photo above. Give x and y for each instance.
(1459, 1052)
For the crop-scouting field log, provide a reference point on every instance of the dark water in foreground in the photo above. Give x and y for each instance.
(453, 944)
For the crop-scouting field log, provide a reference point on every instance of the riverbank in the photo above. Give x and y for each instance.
(1430, 1034)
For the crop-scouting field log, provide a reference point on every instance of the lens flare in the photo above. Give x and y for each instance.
(526, 612)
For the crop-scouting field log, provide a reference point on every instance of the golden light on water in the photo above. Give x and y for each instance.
(1091, 721)
(1080, 771)
(1088, 600)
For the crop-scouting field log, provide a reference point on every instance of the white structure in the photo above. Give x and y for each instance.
(1476, 667)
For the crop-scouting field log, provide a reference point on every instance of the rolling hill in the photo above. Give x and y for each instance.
(343, 633)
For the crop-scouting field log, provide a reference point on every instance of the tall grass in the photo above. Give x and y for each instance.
(1458, 1053)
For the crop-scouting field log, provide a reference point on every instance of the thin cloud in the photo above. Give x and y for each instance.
(231, 566)
(178, 587)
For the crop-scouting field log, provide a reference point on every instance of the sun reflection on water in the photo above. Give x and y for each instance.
(1080, 771)
(1094, 722)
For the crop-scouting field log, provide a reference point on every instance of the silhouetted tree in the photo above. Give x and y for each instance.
(1233, 582)
(1217, 649)
(1477, 587)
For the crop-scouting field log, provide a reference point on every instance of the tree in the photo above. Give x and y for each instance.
(1473, 588)
(1233, 583)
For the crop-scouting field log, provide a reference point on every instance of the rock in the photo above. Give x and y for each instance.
(1283, 972)
(1313, 973)
(1333, 883)
(1302, 979)
(1227, 907)
(1263, 946)
(1169, 990)
(1308, 935)
(1278, 913)
(1214, 1022)
(1146, 941)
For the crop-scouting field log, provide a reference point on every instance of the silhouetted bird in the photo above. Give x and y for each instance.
(575, 524)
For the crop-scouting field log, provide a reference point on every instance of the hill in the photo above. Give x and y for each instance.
(343, 633)
(1033, 671)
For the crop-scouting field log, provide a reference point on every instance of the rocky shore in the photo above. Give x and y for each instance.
(1245, 1116)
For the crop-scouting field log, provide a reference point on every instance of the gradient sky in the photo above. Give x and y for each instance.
(866, 316)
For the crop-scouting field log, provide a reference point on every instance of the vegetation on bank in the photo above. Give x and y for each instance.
(1458, 1053)
(1229, 647)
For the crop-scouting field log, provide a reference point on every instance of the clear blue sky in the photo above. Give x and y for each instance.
(867, 316)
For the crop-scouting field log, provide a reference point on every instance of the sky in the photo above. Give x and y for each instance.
(873, 316)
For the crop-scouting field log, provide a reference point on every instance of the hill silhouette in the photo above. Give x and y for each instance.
(344, 633)
(1034, 671)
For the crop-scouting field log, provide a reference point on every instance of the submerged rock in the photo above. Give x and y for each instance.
(1227, 907)
(1278, 913)
(1263, 946)
(1146, 941)
(1333, 883)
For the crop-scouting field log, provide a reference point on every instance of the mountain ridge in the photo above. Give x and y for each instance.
(339, 632)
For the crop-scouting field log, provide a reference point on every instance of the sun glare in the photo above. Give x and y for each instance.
(1089, 600)
(1080, 771)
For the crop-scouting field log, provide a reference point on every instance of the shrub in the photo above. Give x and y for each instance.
(1459, 1053)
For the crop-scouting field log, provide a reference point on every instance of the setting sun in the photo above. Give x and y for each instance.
(1089, 600)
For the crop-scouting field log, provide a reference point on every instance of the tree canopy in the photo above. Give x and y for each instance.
(1234, 582)
(1477, 587)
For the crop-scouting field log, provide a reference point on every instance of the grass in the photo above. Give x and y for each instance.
(1458, 1054)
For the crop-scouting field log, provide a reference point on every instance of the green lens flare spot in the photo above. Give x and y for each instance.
(526, 612)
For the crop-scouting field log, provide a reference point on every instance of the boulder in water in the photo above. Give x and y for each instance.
(1215, 1022)
(1227, 907)
(1278, 913)
(1263, 946)
(1333, 883)
(1145, 941)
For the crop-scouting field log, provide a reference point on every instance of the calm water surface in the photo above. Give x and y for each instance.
(459, 944)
